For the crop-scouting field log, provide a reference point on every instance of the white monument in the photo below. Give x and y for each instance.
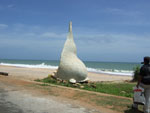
(71, 67)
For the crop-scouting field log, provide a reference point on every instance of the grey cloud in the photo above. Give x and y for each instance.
(53, 35)
(3, 26)
(124, 12)
(4, 7)
(10, 5)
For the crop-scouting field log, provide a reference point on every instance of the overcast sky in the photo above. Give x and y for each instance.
(104, 30)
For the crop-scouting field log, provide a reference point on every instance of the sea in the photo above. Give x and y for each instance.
(112, 68)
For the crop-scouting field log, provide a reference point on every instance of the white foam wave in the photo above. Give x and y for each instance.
(111, 72)
(43, 65)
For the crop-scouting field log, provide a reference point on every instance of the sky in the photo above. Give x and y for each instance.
(103, 30)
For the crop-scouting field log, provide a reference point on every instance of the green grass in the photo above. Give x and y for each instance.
(119, 89)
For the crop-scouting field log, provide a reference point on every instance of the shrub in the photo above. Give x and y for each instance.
(136, 73)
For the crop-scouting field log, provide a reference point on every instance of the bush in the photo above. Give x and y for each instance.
(136, 73)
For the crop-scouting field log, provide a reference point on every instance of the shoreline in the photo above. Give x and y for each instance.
(39, 73)
(42, 65)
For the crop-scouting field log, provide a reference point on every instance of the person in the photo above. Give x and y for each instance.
(144, 82)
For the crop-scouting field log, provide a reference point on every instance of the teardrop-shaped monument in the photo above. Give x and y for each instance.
(71, 67)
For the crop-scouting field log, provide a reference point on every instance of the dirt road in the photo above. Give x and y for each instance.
(18, 96)
(18, 102)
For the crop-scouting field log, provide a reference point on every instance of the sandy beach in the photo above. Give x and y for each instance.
(19, 93)
(39, 73)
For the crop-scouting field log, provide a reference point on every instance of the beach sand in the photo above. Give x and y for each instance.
(39, 73)
(19, 93)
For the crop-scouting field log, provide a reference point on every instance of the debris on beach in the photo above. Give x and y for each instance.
(72, 82)
(4, 73)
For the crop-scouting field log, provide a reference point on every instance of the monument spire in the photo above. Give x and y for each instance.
(71, 67)
(70, 26)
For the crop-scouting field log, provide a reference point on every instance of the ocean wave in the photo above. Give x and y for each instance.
(104, 71)
(42, 65)
(111, 72)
